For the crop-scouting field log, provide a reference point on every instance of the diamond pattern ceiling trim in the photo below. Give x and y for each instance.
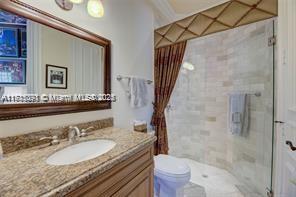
(231, 14)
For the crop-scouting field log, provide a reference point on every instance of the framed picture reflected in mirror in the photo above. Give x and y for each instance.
(8, 42)
(12, 71)
(56, 77)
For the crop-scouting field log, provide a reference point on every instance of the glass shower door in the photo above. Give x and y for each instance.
(237, 60)
(253, 155)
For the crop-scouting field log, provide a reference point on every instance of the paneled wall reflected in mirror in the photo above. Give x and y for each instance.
(37, 60)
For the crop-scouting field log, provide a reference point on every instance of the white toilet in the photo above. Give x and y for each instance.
(170, 176)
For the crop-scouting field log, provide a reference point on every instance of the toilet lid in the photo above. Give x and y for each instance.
(170, 166)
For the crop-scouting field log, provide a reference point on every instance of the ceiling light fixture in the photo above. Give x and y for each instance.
(95, 8)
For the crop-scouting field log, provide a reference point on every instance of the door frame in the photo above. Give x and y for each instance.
(280, 104)
(283, 91)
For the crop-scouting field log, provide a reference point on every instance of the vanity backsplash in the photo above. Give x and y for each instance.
(20, 142)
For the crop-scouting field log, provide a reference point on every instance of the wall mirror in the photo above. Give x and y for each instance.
(49, 66)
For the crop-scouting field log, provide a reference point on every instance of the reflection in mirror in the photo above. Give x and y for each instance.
(42, 63)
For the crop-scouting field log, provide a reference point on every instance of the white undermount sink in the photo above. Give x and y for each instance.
(80, 152)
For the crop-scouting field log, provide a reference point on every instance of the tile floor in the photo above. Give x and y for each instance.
(216, 182)
(194, 190)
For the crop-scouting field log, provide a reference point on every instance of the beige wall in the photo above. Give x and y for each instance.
(129, 25)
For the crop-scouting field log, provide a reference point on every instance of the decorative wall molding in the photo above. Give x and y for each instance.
(34, 45)
(231, 14)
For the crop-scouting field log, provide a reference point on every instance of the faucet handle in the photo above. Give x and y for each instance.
(49, 138)
(55, 140)
(83, 131)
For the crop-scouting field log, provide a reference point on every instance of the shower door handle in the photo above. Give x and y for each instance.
(290, 144)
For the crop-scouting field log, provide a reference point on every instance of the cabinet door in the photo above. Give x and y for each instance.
(140, 186)
(142, 189)
(122, 179)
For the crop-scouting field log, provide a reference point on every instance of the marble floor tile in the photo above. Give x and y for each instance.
(194, 190)
(216, 182)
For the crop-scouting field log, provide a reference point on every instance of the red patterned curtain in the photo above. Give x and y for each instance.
(168, 62)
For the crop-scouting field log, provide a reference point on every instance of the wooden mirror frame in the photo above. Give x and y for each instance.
(18, 111)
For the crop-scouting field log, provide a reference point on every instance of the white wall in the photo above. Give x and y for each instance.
(54, 43)
(129, 25)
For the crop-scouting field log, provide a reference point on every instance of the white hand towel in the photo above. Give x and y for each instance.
(138, 91)
(1, 94)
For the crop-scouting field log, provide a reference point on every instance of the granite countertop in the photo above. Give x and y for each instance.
(26, 173)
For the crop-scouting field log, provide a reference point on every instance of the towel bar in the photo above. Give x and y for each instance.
(119, 78)
(257, 94)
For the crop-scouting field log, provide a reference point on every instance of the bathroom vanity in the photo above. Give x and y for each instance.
(126, 170)
(133, 177)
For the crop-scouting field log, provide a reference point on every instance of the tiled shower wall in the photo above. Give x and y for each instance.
(237, 60)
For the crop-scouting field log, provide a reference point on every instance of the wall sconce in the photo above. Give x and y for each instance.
(76, 1)
(64, 4)
(95, 8)
(188, 66)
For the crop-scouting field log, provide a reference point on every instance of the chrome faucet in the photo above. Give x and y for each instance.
(73, 134)
(55, 140)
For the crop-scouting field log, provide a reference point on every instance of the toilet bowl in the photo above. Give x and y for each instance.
(170, 176)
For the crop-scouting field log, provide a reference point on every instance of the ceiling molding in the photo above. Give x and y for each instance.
(195, 6)
(163, 11)
(165, 14)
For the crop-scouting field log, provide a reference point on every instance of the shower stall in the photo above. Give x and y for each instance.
(240, 60)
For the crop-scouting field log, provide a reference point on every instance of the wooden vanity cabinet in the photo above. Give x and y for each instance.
(131, 178)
